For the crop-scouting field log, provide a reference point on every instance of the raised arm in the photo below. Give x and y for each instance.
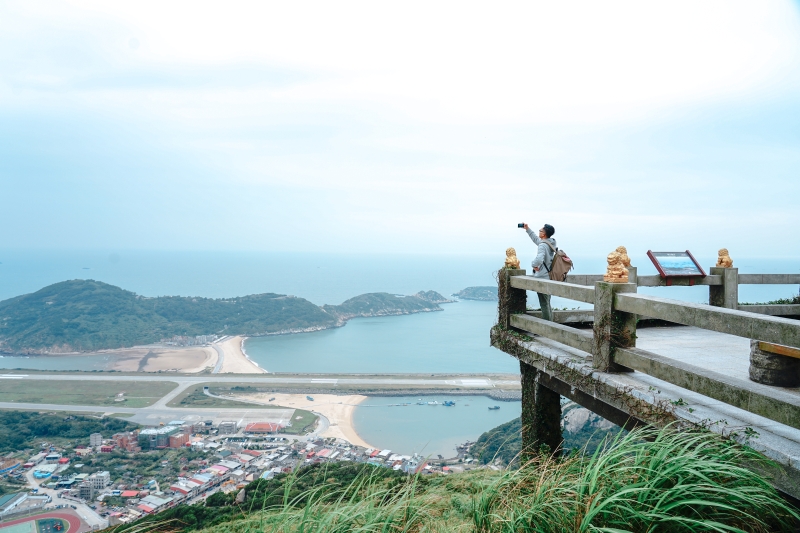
(534, 236)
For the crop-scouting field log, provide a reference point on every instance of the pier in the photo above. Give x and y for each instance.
(733, 369)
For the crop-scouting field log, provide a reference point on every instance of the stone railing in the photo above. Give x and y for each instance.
(611, 344)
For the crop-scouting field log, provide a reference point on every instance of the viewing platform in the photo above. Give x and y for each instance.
(640, 359)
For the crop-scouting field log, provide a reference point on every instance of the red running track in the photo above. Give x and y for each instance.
(74, 523)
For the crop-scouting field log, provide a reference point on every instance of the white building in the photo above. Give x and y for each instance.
(95, 439)
(100, 480)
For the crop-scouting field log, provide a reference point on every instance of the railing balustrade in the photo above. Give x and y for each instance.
(617, 307)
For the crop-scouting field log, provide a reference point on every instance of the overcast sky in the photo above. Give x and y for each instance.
(405, 127)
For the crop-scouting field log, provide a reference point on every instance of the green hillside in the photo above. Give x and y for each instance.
(380, 303)
(86, 315)
(90, 315)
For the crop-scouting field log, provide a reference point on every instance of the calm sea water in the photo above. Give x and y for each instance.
(428, 429)
(454, 340)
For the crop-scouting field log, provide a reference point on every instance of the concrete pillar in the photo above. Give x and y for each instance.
(727, 294)
(633, 276)
(541, 415)
(510, 301)
(612, 328)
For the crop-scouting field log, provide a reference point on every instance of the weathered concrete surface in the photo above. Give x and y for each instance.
(772, 310)
(727, 294)
(733, 322)
(612, 328)
(726, 354)
(577, 316)
(541, 413)
(555, 288)
(577, 338)
(769, 279)
(510, 300)
(769, 402)
(658, 402)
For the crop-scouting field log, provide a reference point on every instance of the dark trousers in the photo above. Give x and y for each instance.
(544, 304)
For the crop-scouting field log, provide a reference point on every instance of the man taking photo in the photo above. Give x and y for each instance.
(543, 262)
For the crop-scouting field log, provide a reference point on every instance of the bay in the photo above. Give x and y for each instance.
(453, 340)
(429, 430)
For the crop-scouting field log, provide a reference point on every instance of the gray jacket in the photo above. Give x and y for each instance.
(544, 254)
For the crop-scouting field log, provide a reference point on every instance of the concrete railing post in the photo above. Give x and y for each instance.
(633, 276)
(612, 329)
(727, 294)
(510, 301)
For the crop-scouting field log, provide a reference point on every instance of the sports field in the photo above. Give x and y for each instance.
(53, 522)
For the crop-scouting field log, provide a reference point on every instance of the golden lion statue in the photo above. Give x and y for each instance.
(622, 251)
(616, 273)
(724, 260)
(511, 259)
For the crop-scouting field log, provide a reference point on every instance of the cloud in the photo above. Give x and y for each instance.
(413, 127)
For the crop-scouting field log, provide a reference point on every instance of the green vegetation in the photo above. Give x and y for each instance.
(297, 488)
(647, 480)
(194, 397)
(137, 393)
(503, 444)
(380, 303)
(302, 422)
(21, 430)
(131, 468)
(85, 315)
(795, 300)
(483, 294)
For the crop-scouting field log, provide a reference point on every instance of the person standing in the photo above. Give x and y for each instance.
(543, 262)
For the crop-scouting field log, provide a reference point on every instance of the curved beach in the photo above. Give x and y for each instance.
(337, 409)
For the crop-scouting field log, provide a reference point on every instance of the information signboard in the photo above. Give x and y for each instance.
(676, 264)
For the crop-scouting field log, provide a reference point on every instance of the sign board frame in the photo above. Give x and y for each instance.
(666, 272)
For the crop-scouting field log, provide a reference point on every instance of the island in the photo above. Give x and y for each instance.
(483, 294)
(88, 315)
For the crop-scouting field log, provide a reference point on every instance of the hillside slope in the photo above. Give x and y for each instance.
(86, 315)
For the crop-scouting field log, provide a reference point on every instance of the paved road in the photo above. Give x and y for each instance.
(480, 381)
(161, 412)
(84, 511)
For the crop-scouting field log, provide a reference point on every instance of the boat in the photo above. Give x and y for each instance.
(434, 402)
(272, 399)
(494, 407)
(449, 403)
(310, 399)
(421, 403)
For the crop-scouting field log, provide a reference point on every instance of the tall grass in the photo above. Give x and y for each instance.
(644, 481)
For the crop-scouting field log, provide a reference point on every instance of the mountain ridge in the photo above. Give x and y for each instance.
(88, 315)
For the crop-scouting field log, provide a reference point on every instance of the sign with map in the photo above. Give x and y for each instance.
(676, 264)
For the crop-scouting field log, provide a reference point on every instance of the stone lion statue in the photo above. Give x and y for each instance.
(724, 260)
(616, 273)
(511, 259)
(622, 251)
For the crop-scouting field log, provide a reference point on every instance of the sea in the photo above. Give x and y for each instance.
(454, 340)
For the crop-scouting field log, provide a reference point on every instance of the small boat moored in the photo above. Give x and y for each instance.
(494, 407)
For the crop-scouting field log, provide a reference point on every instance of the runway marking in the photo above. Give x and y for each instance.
(475, 382)
(323, 380)
(11, 376)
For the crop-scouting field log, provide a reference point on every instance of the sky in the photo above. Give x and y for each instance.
(409, 127)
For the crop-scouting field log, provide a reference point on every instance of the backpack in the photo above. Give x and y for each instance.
(560, 265)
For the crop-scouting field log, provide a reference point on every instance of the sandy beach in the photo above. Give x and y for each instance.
(234, 360)
(162, 358)
(337, 409)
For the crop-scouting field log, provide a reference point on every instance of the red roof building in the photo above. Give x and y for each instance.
(129, 493)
